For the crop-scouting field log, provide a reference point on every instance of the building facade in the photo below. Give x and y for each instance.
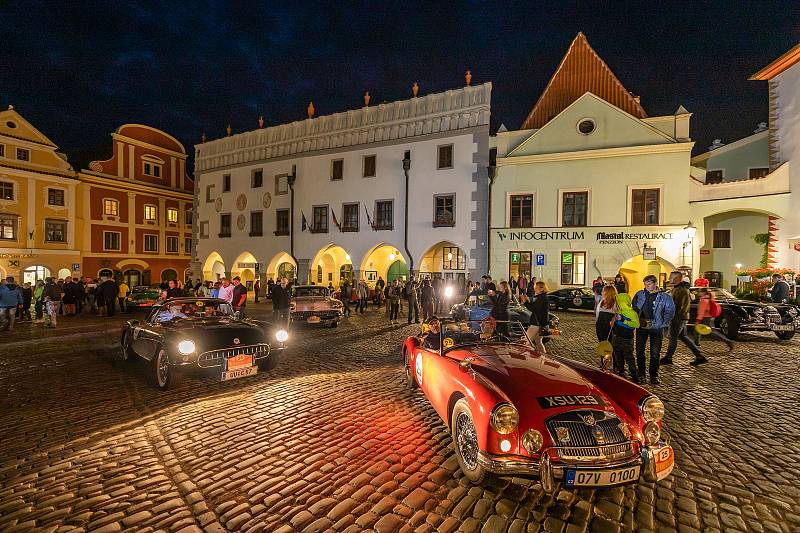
(591, 185)
(381, 191)
(137, 208)
(40, 233)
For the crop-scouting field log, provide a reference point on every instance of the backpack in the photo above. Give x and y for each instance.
(629, 318)
(714, 309)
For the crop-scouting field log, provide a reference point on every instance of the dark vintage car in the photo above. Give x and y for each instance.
(582, 298)
(478, 309)
(743, 315)
(143, 297)
(204, 335)
(513, 411)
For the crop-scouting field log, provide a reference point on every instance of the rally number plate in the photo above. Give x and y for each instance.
(601, 478)
(313, 320)
(239, 373)
(782, 327)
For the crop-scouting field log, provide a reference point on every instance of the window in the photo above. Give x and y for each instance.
(337, 169)
(150, 168)
(445, 159)
(6, 190)
(172, 215)
(319, 223)
(150, 212)
(111, 240)
(755, 173)
(384, 214)
(8, 227)
(644, 207)
(187, 217)
(282, 222)
(55, 196)
(573, 208)
(226, 183)
(714, 176)
(110, 207)
(586, 126)
(370, 162)
(573, 268)
(722, 238)
(2, 150)
(453, 259)
(257, 178)
(521, 209)
(204, 229)
(187, 245)
(350, 217)
(151, 243)
(23, 154)
(209, 193)
(55, 230)
(519, 264)
(281, 184)
(444, 210)
(172, 245)
(225, 225)
(256, 223)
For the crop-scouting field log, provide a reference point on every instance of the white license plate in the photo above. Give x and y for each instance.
(782, 327)
(601, 478)
(239, 373)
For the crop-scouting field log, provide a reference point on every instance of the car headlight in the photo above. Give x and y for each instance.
(282, 335)
(532, 441)
(652, 433)
(758, 311)
(792, 311)
(186, 347)
(504, 418)
(653, 409)
(292, 307)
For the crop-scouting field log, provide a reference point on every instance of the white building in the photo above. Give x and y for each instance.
(591, 185)
(344, 175)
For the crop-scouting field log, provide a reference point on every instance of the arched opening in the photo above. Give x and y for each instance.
(445, 260)
(105, 273)
(384, 261)
(245, 267)
(34, 273)
(64, 273)
(282, 265)
(335, 264)
(132, 278)
(213, 267)
(168, 274)
(637, 267)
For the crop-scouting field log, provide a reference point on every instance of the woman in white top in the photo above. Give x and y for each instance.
(605, 312)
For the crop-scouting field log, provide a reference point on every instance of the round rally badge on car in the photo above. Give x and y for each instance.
(425, 328)
(199, 303)
(448, 342)
(418, 368)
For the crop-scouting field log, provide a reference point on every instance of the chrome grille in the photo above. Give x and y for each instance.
(323, 315)
(771, 315)
(214, 358)
(581, 434)
(611, 452)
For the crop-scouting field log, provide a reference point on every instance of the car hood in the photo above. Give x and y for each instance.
(215, 334)
(313, 303)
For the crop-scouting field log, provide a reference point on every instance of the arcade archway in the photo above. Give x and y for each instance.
(281, 266)
(445, 260)
(333, 265)
(384, 261)
(214, 267)
(637, 267)
(35, 273)
(245, 267)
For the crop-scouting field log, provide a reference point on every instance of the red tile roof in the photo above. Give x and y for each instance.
(787, 60)
(580, 71)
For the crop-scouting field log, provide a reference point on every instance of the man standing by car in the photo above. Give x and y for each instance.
(780, 289)
(280, 301)
(239, 296)
(226, 291)
(655, 309)
(677, 326)
(413, 303)
(122, 296)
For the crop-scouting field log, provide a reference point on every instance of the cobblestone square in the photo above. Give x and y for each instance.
(333, 441)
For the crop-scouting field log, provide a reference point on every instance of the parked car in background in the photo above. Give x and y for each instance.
(740, 316)
(581, 298)
(143, 297)
(481, 307)
(313, 304)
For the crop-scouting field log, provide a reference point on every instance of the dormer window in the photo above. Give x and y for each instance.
(23, 154)
(152, 166)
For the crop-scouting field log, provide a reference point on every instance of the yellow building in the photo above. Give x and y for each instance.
(38, 211)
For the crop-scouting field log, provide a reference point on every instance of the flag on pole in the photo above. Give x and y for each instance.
(369, 220)
(336, 222)
(305, 223)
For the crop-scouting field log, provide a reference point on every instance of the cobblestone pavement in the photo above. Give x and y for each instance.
(333, 441)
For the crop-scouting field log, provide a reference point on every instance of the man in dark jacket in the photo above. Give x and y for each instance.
(280, 302)
(780, 289)
(107, 294)
(239, 296)
(27, 298)
(427, 299)
(411, 295)
(677, 326)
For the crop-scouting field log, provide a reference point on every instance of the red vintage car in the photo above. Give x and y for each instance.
(514, 411)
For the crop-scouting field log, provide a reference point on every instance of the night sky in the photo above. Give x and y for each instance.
(79, 72)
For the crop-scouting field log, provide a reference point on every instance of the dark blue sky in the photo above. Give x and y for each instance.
(78, 72)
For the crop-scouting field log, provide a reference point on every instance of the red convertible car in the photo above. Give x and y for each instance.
(514, 411)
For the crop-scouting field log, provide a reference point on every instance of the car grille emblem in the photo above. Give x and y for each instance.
(236, 340)
(599, 435)
(562, 434)
(589, 420)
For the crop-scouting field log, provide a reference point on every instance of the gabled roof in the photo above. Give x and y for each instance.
(24, 130)
(779, 65)
(580, 71)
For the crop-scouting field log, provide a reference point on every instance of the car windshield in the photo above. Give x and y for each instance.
(446, 334)
(719, 294)
(145, 290)
(483, 299)
(310, 291)
(586, 292)
(192, 310)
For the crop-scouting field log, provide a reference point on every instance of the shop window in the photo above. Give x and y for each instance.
(8, 227)
(110, 207)
(370, 166)
(384, 214)
(445, 157)
(350, 217)
(55, 230)
(111, 240)
(722, 238)
(519, 264)
(55, 197)
(282, 222)
(6, 190)
(521, 211)
(172, 215)
(444, 210)
(574, 206)
(319, 221)
(573, 268)
(337, 169)
(151, 243)
(172, 245)
(645, 207)
(453, 259)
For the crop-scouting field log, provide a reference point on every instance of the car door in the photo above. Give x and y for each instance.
(146, 337)
(432, 373)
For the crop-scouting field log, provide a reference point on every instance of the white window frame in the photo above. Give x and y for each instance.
(16, 218)
(58, 220)
(116, 202)
(177, 244)
(119, 233)
(452, 156)
(629, 205)
(177, 215)
(444, 195)
(560, 221)
(14, 191)
(26, 150)
(509, 194)
(153, 162)
(560, 264)
(144, 243)
(155, 208)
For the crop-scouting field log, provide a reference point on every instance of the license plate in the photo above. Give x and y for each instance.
(240, 361)
(782, 327)
(313, 320)
(239, 373)
(601, 478)
(665, 461)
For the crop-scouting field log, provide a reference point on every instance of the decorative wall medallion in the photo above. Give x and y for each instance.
(218, 205)
(267, 200)
(240, 222)
(241, 202)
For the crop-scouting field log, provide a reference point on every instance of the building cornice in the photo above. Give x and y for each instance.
(449, 111)
(142, 144)
(38, 169)
(117, 184)
(625, 151)
(744, 141)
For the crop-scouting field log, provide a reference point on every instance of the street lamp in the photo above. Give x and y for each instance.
(691, 231)
(738, 266)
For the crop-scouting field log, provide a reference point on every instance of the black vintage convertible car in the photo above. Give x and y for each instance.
(479, 308)
(581, 298)
(743, 315)
(203, 335)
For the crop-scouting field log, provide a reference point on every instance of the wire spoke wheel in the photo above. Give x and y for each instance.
(467, 441)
